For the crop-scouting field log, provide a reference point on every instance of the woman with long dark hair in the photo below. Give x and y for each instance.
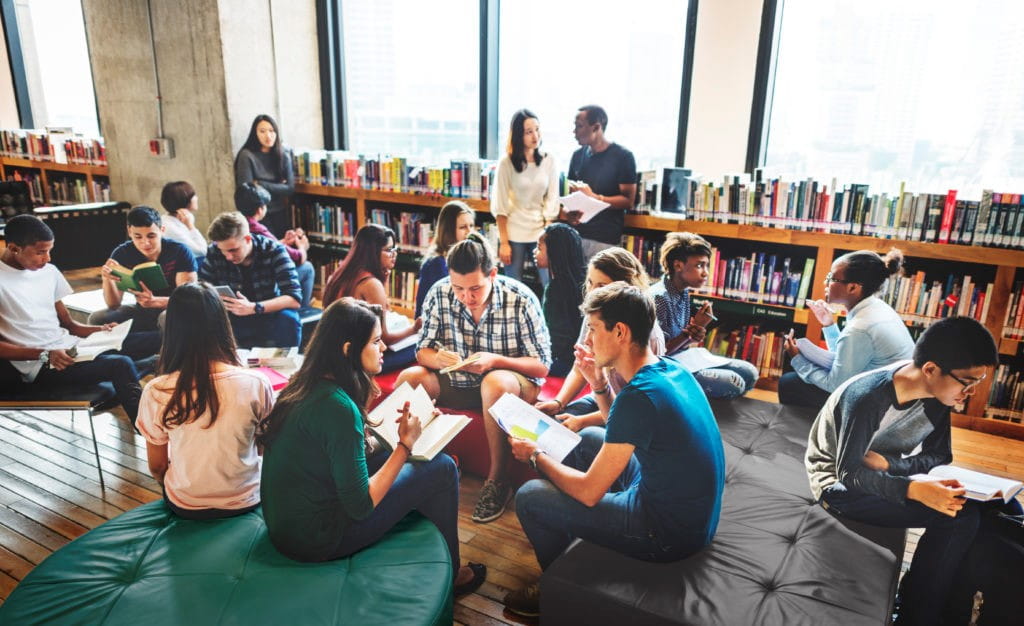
(454, 223)
(324, 496)
(264, 161)
(199, 416)
(560, 251)
(525, 197)
(364, 275)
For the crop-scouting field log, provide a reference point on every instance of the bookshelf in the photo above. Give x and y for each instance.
(56, 184)
(1004, 263)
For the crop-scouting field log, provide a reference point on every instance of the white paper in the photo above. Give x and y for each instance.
(397, 322)
(815, 353)
(91, 301)
(979, 486)
(437, 430)
(696, 359)
(579, 201)
(513, 413)
(104, 341)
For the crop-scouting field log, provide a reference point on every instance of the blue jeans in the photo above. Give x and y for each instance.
(143, 319)
(727, 381)
(520, 252)
(430, 487)
(939, 551)
(794, 391)
(279, 330)
(396, 360)
(560, 368)
(586, 404)
(306, 275)
(553, 519)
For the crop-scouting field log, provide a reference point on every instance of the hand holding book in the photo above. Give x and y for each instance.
(409, 427)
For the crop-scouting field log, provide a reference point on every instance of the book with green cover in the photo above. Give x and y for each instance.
(149, 273)
(805, 283)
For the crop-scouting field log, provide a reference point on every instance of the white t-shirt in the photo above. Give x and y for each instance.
(211, 467)
(527, 198)
(192, 239)
(28, 316)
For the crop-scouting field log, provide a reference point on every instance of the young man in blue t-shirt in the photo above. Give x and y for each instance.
(621, 488)
(145, 243)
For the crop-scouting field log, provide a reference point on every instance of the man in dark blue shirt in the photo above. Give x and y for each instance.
(262, 276)
(602, 170)
(146, 243)
(651, 486)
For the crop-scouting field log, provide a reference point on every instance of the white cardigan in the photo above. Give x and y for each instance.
(528, 198)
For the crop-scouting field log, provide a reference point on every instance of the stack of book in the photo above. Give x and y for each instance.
(1013, 323)
(920, 304)
(1006, 397)
(402, 286)
(52, 145)
(68, 190)
(763, 348)
(320, 218)
(761, 277)
(414, 228)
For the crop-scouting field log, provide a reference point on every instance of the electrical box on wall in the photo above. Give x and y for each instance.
(161, 147)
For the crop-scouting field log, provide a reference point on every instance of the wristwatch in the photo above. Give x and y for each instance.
(533, 458)
(44, 358)
(259, 308)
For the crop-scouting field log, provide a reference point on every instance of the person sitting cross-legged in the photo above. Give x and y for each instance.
(498, 322)
(262, 277)
(650, 485)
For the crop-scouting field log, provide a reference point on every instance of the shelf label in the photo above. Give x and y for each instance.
(744, 308)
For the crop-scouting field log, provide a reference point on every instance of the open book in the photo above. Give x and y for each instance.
(579, 201)
(277, 358)
(437, 430)
(520, 419)
(979, 486)
(104, 341)
(129, 278)
(815, 354)
(397, 322)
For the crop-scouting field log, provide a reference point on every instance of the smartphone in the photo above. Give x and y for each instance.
(225, 292)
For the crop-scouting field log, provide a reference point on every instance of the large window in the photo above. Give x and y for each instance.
(412, 77)
(56, 64)
(555, 57)
(875, 91)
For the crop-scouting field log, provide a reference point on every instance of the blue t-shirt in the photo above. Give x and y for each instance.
(604, 172)
(664, 413)
(174, 257)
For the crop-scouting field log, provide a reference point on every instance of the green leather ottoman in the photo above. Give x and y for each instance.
(149, 568)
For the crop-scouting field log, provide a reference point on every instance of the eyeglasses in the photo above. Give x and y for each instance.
(390, 251)
(829, 280)
(968, 384)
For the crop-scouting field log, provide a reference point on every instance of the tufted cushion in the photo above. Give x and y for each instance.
(152, 568)
(777, 558)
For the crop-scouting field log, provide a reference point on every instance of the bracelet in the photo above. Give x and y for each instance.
(561, 405)
(407, 448)
(602, 390)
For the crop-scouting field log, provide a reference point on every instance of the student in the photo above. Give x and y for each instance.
(264, 161)
(874, 334)
(262, 276)
(37, 332)
(525, 196)
(251, 201)
(363, 275)
(863, 451)
(324, 496)
(684, 260)
(199, 417)
(180, 201)
(146, 242)
(560, 251)
(621, 488)
(607, 266)
(602, 170)
(497, 321)
(455, 222)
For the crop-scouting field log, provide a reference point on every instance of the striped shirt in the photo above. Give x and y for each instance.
(672, 307)
(271, 274)
(512, 326)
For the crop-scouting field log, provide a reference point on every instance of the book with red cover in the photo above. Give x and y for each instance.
(948, 213)
(277, 379)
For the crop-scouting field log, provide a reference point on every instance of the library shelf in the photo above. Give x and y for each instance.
(48, 169)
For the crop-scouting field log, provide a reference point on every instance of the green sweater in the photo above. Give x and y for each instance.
(314, 479)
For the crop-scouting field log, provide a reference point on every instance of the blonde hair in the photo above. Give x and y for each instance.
(619, 264)
(230, 225)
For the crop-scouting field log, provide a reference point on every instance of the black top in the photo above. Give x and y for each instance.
(604, 172)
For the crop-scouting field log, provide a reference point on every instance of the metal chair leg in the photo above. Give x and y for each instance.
(96, 450)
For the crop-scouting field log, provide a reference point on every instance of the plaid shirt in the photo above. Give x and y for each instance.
(672, 307)
(271, 274)
(512, 325)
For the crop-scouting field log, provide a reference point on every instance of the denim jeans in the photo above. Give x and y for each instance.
(794, 391)
(397, 360)
(939, 551)
(306, 276)
(560, 368)
(553, 519)
(143, 319)
(582, 406)
(520, 252)
(727, 381)
(430, 487)
(280, 330)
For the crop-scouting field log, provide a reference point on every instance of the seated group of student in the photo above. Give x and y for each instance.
(328, 488)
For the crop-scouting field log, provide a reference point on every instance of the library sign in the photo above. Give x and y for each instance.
(738, 307)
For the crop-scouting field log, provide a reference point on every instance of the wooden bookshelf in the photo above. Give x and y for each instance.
(47, 169)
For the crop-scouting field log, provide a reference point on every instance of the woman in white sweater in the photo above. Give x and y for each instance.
(180, 201)
(525, 197)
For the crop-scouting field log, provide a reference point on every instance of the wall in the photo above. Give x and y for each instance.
(724, 63)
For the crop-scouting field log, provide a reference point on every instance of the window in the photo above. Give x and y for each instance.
(56, 61)
(627, 57)
(412, 77)
(923, 91)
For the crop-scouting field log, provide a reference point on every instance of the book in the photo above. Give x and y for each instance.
(149, 273)
(579, 201)
(520, 419)
(461, 364)
(980, 486)
(437, 430)
(278, 381)
(99, 342)
(275, 358)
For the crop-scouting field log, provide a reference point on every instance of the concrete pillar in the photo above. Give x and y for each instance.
(216, 62)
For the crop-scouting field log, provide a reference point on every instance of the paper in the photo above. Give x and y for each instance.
(396, 322)
(587, 206)
(437, 430)
(104, 341)
(696, 359)
(91, 301)
(815, 354)
(979, 486)
(519, 419)
(461, 364)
